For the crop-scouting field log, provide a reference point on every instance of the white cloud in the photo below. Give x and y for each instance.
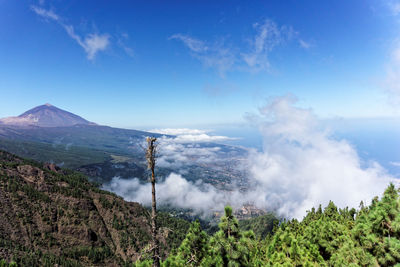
(215, 55)
(304, 44)
(395, 163)
(394, 6)
(186, 148)
(121, 43)
(192, 43)
(45, 13)
(92, 43)
(201, 138)
(186, 135)
(300, 167)
(174, 190)
(95, 43)
(177, 131)
(392, 82)
(269, 35)
(128, 50)
(226, 58)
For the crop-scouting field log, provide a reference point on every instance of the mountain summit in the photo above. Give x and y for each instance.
(46, 115)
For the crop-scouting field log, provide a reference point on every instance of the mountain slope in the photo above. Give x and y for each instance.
(98, 144)
(103, 152)
(88, 146)
(51, 216)
(91, 136)
(45, 116)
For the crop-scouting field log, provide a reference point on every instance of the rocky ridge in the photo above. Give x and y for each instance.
(53, 215)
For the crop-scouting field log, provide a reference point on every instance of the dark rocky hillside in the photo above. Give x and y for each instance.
(54, 216)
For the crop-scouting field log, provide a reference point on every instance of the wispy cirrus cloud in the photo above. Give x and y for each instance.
(394, 6)
(304, 44)
(193, 44)
(268, 36)
(392, 82)
(49, 14)
(254, 58)
(212, 55)
(121, 43)
(92, 43)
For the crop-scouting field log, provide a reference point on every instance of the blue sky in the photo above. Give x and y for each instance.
(189, 63)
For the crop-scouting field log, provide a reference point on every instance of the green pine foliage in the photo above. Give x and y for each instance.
(262, 226)
(229, 246)
(3, 263)
(378, 228)
(325, 237)
(193, 250)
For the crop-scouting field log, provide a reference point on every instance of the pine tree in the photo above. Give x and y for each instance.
(329, 237)
(192, 250)
(378, 229)
(230, 247)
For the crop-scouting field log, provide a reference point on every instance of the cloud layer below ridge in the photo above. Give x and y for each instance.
(301, 166)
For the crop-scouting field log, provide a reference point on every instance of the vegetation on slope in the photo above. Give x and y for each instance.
(325, 237)
(70, 156)
(262, 226)
(51, 216)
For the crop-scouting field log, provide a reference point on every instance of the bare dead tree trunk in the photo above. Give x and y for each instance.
(151, 160)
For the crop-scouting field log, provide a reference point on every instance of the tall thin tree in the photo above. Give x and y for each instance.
(151, 162)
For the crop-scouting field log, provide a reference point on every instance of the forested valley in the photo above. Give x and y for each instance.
(55, 217)
(369, 236)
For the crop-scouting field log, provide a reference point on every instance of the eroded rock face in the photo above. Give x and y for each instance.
(31, 174)
(55, 211)
(52, 167)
